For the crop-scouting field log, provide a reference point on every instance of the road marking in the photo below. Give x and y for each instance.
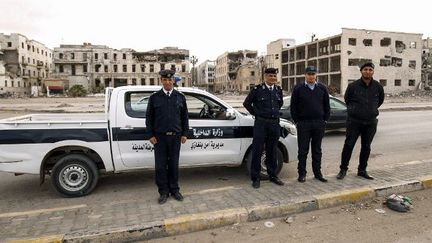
(40, 211)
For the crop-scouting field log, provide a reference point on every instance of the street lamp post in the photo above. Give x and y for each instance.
(193, 60)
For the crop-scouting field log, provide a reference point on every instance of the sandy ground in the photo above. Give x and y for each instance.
(349, 223)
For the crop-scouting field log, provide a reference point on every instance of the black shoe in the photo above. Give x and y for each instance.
(341, 175)
(256, 184)
(365, 175)
(163, 198)
(177, 195)
(302, 178)
(276, 181)
(321, 178)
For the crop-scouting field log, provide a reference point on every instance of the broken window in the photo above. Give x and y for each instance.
(367, 42)
(124, 56)
(397, 62)
(106, 68)
(151, 68)
(73, 70)
(133, 68)
(352, 41)
(397, 82)
(96, 56)
(411, 82)
(400, 46)
(61, 69)
(358, 61)
(383, 82)
(124, 68)
(413, 44)
(143, 68)
(412, 64)
(162, 66)
(84, 68)
(385, 41)
(72, 55)
(384, 62)
(252, 73)
(115, 68)
(97, 68)
(105, 55)
(9, 44)
(60, 55)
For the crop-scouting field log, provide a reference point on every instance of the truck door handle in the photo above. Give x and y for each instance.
(127, 127)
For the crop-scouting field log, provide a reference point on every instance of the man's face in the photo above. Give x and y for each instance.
(310, 78)
(367, 73)
(270, 78)
(167, 83)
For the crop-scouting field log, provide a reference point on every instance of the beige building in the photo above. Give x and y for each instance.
(24, 63)
(237, 71)
(273, 58)
(206, 75)
(96, 66)
(396, 55)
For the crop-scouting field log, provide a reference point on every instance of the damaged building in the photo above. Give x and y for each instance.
(98, 66)
(237, 71)
(396, 55)
(206, 75)
(273, 58)
(24, 64)
(426, 65)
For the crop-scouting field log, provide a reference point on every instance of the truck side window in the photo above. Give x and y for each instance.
(136, 103)
(201, 107)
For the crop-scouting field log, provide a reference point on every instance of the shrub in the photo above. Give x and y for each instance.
(77, 91)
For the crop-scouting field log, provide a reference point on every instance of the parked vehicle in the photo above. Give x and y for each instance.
(338, 113)
(75, 148)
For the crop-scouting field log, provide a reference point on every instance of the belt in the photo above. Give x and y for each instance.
(267, 119)
(170, 133)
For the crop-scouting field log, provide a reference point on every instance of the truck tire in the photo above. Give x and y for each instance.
(74, 175)
(263, 173)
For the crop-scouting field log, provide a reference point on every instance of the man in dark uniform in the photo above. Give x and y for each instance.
(363, 98)
(264, 102)
(310, 110)
(167, 122)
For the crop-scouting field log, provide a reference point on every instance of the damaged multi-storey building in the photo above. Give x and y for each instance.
(205, 74)
(237, 71)
(24, 64)
(427, 64)
(96, 66)
(396, 55)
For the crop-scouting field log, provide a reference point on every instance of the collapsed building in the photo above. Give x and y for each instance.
(237, 71)
(24, 64)
(98, 66)
(396, 55)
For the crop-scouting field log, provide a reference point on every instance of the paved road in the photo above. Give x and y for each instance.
(402, 136)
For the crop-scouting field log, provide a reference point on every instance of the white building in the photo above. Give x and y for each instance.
(206, 75)
(273, 58)
(396, 55)
(24, 64)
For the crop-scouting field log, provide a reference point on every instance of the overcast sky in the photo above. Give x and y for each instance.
(206, 28)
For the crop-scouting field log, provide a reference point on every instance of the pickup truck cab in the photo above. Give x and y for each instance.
(75, 148)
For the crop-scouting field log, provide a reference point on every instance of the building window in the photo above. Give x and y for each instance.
(385, 62)
(412, 64)
(34, 61)
(143, 68)
(152, 81)
(73, 70)
(115, 68)
(162, 66)
(357, 61)
(5, 83)
(97, 66)
(12, 84)
(96, 56)
(60, 55)
(105, 55)
(411, 82)
(397, 62)
(397, 82)
(9, 44)
(22, 45)
(37, 50)
(84, 68)
(42, 52)
(133, 68)
(183, 68)
(124, 56)
(252, 73)
(72, 55)
(115, 56)
(61, 70)
(134, 81)
(383, 82)
(32, 48)
(106, 68)
(367, 42)
(413, 44)
(19, 84)
(28, 47)
(385, 41)
(124, 68)
(352, 41)
(85, 56)
(173, 67)
(400, 46)
(151, 68)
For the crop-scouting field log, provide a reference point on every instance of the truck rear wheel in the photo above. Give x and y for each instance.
(74, 175)
(263, 173)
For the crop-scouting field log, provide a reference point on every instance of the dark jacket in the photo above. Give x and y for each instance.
(167, 114)
(363, 101)
(307, 104)
(261, 102)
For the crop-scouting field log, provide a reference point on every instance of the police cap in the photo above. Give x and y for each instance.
(167, 73)
(311, 69)
(270, 71)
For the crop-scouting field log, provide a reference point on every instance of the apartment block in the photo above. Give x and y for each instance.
(206, 75)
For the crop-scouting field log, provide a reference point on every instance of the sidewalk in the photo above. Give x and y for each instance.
(131, 220)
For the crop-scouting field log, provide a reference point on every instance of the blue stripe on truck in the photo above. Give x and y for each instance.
(20, 136)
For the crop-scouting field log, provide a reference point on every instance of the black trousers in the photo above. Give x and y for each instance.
(167, 151)
(310, 132)
(266, 134)
(355, 129)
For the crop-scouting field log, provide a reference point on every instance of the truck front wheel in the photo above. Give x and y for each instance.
(74, 175)
(263, 173)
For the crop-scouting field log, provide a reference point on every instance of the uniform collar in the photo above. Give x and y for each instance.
(166, 91)
(268, 86)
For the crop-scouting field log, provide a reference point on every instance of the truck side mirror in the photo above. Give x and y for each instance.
(230, 114)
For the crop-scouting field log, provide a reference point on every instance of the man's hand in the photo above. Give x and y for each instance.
(183, 139)
(153, 140)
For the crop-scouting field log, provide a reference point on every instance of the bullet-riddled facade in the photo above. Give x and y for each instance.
(396, 55)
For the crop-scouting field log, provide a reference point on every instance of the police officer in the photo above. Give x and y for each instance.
(264, 102)
(310, 110)
(167, 122)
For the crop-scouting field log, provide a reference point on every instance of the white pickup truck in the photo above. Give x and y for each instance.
(74, 148)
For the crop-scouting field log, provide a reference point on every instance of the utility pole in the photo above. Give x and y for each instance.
(193, 60)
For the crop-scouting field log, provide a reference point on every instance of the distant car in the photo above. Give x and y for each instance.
(338, 113)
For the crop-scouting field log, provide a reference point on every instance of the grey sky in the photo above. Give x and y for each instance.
(206, 28)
